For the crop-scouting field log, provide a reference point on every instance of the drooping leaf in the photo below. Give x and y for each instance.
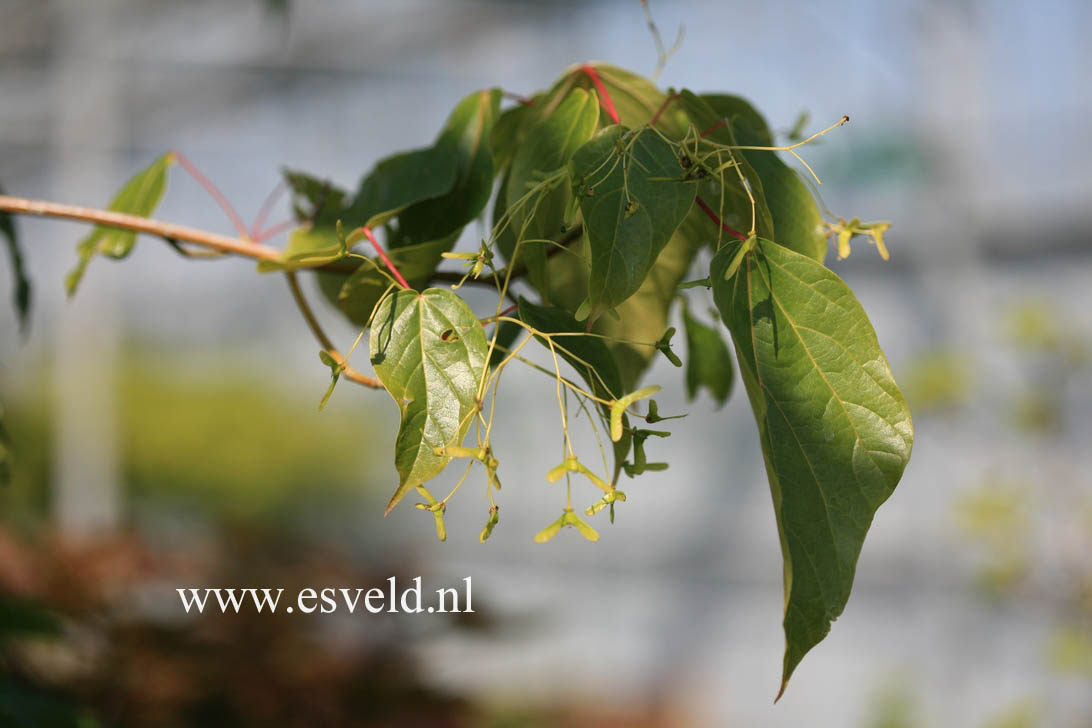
(468, 132)
(20, 282)
(835, 429)
(355, 295)
(632, 200)
(708, 361)
(588, 355)
(429, 351)
(140, 196)
(547, 148)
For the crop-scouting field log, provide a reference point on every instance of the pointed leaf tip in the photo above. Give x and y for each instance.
(833, 425)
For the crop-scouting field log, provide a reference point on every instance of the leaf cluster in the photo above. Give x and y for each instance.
(612, 201)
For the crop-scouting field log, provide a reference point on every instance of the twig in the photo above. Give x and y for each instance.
(169, 231)
(264, 210)
(379, 249)
(214, 191)
(716, 218)
(662, 109)
(309, 316)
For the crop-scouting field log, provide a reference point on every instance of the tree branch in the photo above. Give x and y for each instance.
(170, 231)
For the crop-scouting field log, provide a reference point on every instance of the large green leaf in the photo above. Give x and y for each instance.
(632, 201)
(588, 355)
(835, 429)
(429, 351)
(468, 131)
(21, 284)
(708, 361)
(547, 148)
(139, 196)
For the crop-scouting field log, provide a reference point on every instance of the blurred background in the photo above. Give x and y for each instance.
(164, 429)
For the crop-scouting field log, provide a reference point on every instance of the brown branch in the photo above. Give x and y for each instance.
(176, 234)
(170, 231)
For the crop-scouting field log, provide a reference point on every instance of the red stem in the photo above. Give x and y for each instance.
(662, 109)
(263, 211)
(387, 261)
(715, 218)
(273, 230)
(604, 95)
(240, 226)
(713, 128)
(509, 310)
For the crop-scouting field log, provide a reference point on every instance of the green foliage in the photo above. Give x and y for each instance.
(139, 196)
(609, 192)
(536, 216)
(632, 200)
(709, 363)
(835, 430)
(429, 350)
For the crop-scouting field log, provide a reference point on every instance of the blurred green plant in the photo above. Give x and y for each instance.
(223, 443)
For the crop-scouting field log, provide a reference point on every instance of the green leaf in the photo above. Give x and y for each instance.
(735, 210)
(401, 180)
(632, 201)
(429, 350)
(139, 196)
(468, 132)
(797, 222)
(835, 429)
(742, 117)
(357, 294)
(708, 362)
(547, 148)
(644, 315)
(508, 133)
(21, 284)
(588, 355)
